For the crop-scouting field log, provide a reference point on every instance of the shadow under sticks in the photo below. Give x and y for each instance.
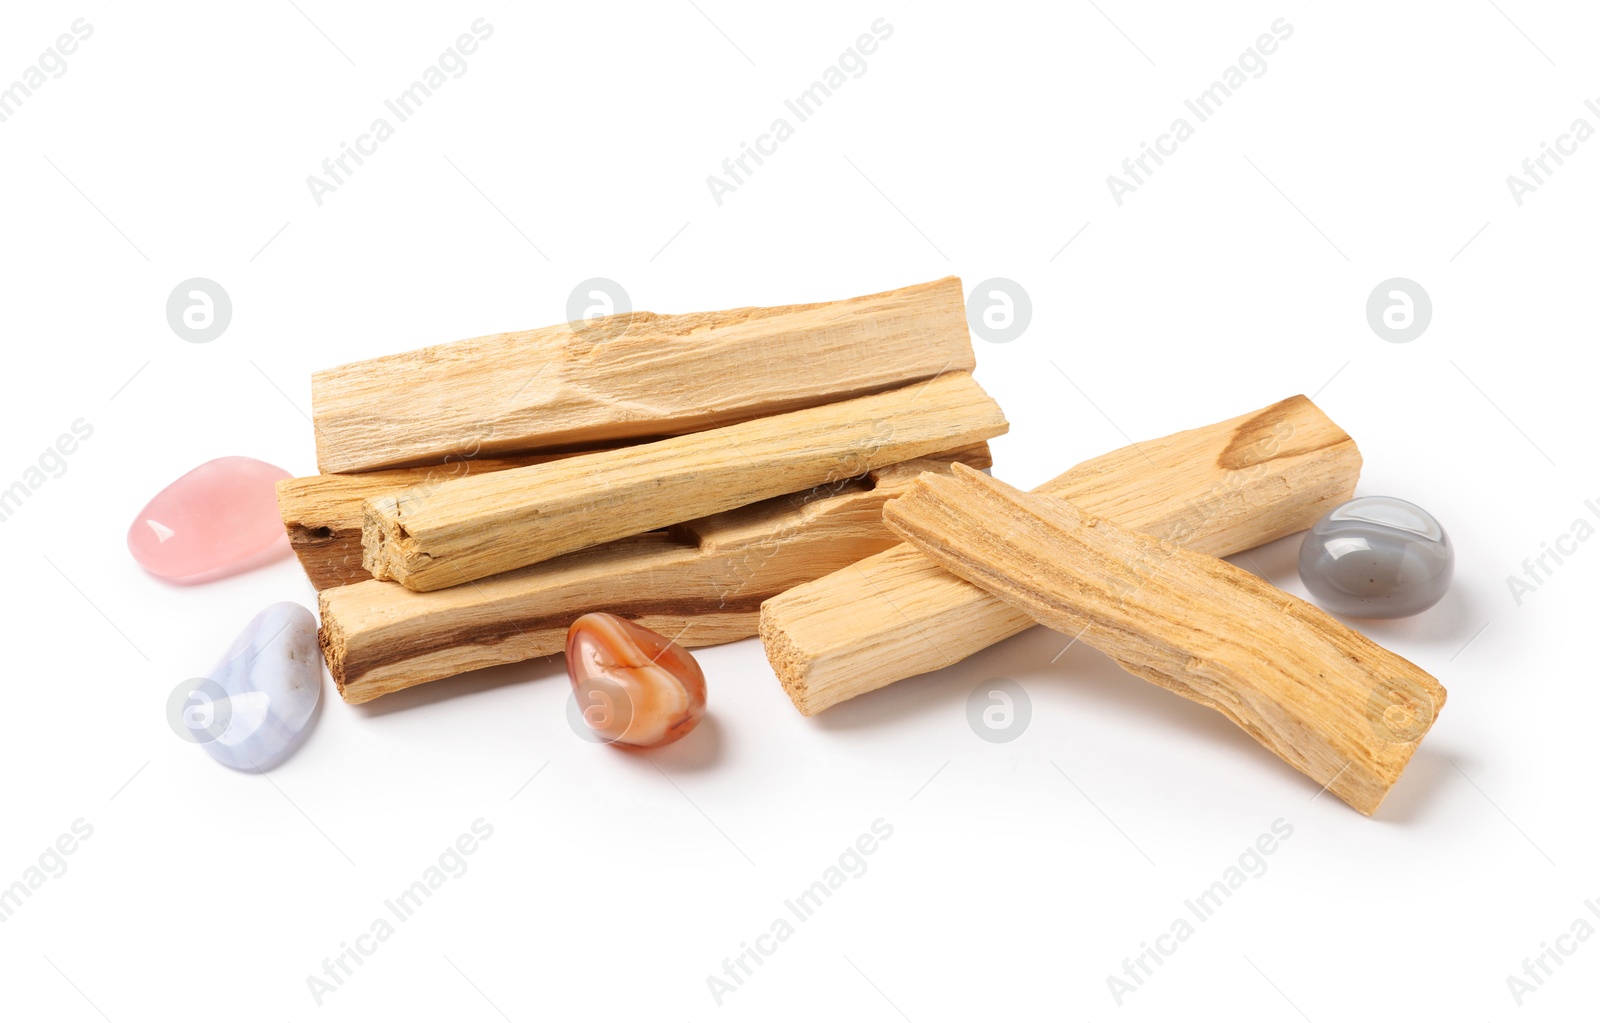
(934, 694)
(1417, 794)
(1098, 678)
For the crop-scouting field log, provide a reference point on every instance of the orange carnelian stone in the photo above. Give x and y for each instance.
(634, 687)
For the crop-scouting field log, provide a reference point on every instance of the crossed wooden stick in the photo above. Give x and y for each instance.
(1119, 552)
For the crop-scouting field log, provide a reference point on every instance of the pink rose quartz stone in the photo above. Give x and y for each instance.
(213, 521)
(634, 687)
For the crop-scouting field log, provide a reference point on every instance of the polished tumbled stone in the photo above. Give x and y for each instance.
(216, 519)
(258, 700)
(634, 687)
(1377, 557)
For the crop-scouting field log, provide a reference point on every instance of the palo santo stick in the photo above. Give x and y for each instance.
(322, 514)
(631, 375)
(700, 583)
(1218, 489)
(472, 528)
(1318, 694)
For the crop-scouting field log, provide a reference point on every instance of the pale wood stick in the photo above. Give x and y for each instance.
(472, 528)
(631, 375)
(322, 514)
(1327, 700)
(1218, 489)
(700, 583)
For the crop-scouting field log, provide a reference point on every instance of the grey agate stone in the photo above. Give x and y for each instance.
(1377, 557)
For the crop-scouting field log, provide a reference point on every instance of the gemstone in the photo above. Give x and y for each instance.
(214, 520)
(252, 709)
(1377, 557)
(633, 687)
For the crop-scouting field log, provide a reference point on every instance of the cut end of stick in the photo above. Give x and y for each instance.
(386, 547)
(789, 665)
(330, 637)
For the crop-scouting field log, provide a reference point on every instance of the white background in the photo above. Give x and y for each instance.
(1019, 876)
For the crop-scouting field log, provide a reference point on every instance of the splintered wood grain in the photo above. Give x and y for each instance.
(632, 375)
(1327, 700)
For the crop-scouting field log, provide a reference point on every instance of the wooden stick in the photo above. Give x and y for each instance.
(1316, 693)
(701, 583)
(631, 375)
(1218, 489)
(322, 514)
(472, 528)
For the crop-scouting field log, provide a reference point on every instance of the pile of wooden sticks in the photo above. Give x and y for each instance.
(718, 475)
